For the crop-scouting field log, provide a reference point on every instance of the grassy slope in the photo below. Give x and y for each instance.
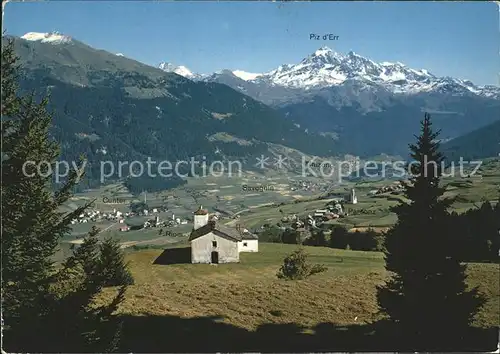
(248, 294)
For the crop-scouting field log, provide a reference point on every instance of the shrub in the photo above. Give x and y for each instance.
(295, 266)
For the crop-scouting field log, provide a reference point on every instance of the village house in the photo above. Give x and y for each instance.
(249, 241)
(153, 222)
(311, 221)
(213, 243)
(297, 224)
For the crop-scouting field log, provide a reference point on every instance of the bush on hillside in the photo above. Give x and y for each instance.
(296, 267)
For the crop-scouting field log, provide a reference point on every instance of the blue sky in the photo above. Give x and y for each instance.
(459, 39)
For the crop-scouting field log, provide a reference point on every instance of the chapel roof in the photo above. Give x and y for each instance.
(222, 231)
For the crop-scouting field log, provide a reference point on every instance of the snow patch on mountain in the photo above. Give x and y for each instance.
(119, 54)
(52, 37)
(245, 75)
(183, 71)
(179, 70)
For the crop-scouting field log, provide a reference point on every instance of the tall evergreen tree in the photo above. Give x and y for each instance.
(290, 236)
(426, 297)
(45, 308)
(115, 269)
(339, 238)
(317, 238)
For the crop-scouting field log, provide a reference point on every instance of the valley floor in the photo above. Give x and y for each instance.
(177, 306)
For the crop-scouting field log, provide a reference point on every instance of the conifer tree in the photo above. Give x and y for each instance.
(426, 297)
(339, 237)
(290, 236)
(495, 244)
(320, 238)
(116, 270)
(45, 308)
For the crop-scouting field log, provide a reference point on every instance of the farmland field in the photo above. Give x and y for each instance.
(256, 209)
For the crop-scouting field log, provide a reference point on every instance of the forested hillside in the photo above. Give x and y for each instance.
(111, 108)
(481, 143)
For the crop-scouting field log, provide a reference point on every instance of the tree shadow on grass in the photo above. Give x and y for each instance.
(181, 255)
(210, 334)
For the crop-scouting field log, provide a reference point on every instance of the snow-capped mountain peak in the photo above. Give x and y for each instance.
(323, 55)
(326, 68)
(52, 37)
(179, 70)
(323, 51)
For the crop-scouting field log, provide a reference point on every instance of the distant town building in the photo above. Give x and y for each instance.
(353, 199)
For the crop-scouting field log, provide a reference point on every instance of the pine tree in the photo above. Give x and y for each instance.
(495, 232)
(31, 225)
(339, 237)
(426, 297)
(320, 238)
(10, 69)
(116, 270)
(290, 236)
(45, 309)
(81, 324)
(317, 238)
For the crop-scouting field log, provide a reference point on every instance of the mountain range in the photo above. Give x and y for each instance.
(326, 68)
(113, 107)
(373, 107)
